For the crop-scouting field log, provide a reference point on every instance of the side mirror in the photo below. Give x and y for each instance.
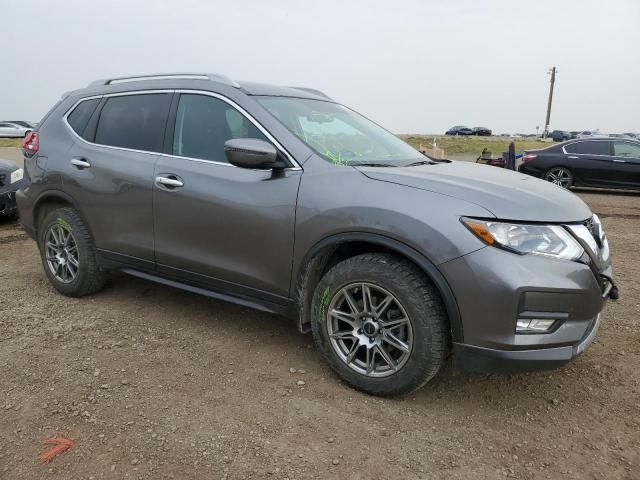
(252, 153)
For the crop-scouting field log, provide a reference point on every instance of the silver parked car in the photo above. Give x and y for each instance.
(280, 198)
(13, 130)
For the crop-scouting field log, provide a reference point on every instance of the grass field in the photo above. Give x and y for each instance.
(451, 145)
(10, 142)
(473, 145)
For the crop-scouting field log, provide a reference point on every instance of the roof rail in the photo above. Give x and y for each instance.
(314, 91)
(214, 77)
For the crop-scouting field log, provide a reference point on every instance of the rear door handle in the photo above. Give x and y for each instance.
(573, 156)
(170, 181)
(80, 163)
(618, 161)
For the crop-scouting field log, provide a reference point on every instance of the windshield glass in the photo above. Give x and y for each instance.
(340, 135)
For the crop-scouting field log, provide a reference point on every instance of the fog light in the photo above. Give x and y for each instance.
(534, 325)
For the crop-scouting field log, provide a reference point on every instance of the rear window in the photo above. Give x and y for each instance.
(600, 147)
(80, 115)
(134, 121)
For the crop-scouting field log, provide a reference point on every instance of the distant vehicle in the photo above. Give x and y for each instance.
(10, 182)
(12, 130)
(632, 135)
(589, 134)
(597, 162)
(574, 133)
(560, 135)
(481, 131)
(459, 130)
(22, 123)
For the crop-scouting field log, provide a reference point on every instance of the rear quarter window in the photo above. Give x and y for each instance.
(134, 121)
(80, 115)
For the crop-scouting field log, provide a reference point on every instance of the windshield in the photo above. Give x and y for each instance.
(340, 135)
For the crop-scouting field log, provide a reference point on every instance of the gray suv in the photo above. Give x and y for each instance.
(281, 199)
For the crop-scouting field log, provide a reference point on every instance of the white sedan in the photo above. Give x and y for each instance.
(8, 129)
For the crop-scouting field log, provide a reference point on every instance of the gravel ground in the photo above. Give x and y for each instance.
(153, 382)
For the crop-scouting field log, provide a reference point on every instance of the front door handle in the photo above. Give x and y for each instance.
(169, 182)
(573, 156)
(81, 163)
(618, 161)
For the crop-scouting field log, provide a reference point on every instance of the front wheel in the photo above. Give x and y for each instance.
(560, 176)
(380, 324)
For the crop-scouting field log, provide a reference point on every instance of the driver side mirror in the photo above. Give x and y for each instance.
(252, 153)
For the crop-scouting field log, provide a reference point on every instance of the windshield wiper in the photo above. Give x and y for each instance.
(372, 164)
(427, 162)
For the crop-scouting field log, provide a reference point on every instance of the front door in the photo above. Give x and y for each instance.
(626, 161)
(218, 225)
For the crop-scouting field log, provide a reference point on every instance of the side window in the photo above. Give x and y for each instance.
(134, 121)
(80, 115)
(626, 149)
(204, 123)
(594, 147)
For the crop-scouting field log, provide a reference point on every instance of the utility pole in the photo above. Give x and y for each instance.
(546, 123)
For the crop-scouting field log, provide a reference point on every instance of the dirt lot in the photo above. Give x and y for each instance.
(152, 382)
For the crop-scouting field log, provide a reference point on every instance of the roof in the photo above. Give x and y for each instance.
(201, 80)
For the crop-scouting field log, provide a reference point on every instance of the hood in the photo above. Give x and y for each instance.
(508, 195)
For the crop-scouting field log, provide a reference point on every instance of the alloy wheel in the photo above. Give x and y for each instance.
(369, 329)
(61, 253)
(559, 176)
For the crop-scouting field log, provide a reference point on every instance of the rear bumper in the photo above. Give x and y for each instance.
(473, 359)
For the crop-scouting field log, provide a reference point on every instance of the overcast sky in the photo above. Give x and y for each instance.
(413, 66)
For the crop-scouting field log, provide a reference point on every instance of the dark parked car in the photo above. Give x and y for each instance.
(10, 181)
(481, 131)
(281, 199)
(598, 162)
(560, 135)
(459, 130)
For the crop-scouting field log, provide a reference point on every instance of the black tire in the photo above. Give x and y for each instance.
(89, 278)
(560, 176)
(422, 303)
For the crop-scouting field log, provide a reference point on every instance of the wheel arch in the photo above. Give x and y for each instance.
(51, 200)
(335, 248)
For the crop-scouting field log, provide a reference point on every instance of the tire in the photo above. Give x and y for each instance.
(426, 332)
(89, 278)
(560, 176)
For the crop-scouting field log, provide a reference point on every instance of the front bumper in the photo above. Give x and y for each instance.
(473, 359)
(494, 288)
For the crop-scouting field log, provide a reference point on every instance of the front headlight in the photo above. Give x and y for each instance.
(549, 240)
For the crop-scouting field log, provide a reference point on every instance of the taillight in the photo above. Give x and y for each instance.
(528, 157)
(31, 144)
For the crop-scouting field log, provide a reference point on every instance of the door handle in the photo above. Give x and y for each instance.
(169, 182)
(573, 156)
(618, 161)
(80, 163)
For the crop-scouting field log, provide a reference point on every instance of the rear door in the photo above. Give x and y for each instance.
(110, 169)
(626, 159)
(591, 161)
(222, 226)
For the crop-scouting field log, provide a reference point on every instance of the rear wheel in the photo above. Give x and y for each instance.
(560, 176)
(68, 254)
(380, 324)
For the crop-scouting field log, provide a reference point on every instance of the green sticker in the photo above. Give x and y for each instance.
(323, 302)
(63, 222)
